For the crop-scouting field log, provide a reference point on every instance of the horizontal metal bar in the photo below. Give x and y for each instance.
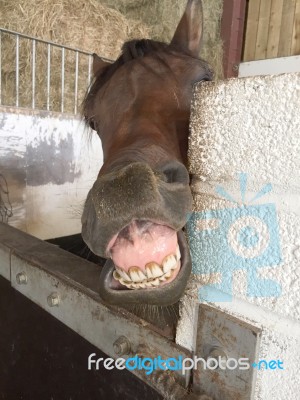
(50, 42)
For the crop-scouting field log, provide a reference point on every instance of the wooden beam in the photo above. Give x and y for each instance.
(263, 30)
(232, 30)
(274, 28)
(295, 49)
(287, 25)
(251, 30)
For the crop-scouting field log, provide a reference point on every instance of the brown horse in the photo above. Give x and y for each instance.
(134, 213)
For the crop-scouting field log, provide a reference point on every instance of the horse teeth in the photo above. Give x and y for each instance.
(168, 274)
(135, 286)
(149, 272)
(142, 275)
(153, 270)
(134, 273)
(131, 286)
(116, 275)
(154, 275)
(178, 254)
(169, 262)
(123, 274)
(125, 282)
(155, 282)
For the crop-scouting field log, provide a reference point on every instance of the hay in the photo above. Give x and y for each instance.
(162, 17)
(99, 26)
(84, 24)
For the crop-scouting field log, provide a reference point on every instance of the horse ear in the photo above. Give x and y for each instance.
(98, 64)
(188, 34)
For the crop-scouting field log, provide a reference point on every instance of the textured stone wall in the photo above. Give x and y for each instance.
(244, 234)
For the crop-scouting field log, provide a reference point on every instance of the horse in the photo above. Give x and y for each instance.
(136, 210)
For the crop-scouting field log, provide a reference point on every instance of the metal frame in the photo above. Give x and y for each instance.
(65, 286)
(50, 45)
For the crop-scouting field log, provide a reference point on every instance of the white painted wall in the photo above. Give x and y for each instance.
(273, 66)
(50, 161)
(251, 126)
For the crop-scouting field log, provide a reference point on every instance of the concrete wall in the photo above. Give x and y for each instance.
(48, 162)
(245, 232)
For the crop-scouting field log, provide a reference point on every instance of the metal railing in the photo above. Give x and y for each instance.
(68, 73)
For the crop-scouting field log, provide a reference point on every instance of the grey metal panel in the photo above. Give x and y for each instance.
(4, 261)
(66, 287)
(219, 334)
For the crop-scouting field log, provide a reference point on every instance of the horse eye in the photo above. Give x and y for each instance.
(91, 123)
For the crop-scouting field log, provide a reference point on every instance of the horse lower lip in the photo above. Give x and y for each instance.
(163, 295)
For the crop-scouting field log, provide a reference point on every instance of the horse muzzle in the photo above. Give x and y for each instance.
(134, 216)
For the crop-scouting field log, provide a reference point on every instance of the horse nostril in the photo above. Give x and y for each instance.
(175, 172)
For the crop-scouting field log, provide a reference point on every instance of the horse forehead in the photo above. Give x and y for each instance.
(153, 71)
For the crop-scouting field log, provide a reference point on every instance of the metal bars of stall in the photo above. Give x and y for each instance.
(50, 46)
(48, 75)
(17, 69)
(33, 72)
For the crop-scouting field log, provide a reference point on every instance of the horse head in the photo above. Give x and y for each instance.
(134, 213)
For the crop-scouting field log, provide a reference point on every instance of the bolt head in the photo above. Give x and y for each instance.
(217, 353)
(121, 346)
(53, 300)
(21, 278)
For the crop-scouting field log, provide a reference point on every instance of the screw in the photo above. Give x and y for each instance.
(122, 346)
(53, 299)
(21, 278)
